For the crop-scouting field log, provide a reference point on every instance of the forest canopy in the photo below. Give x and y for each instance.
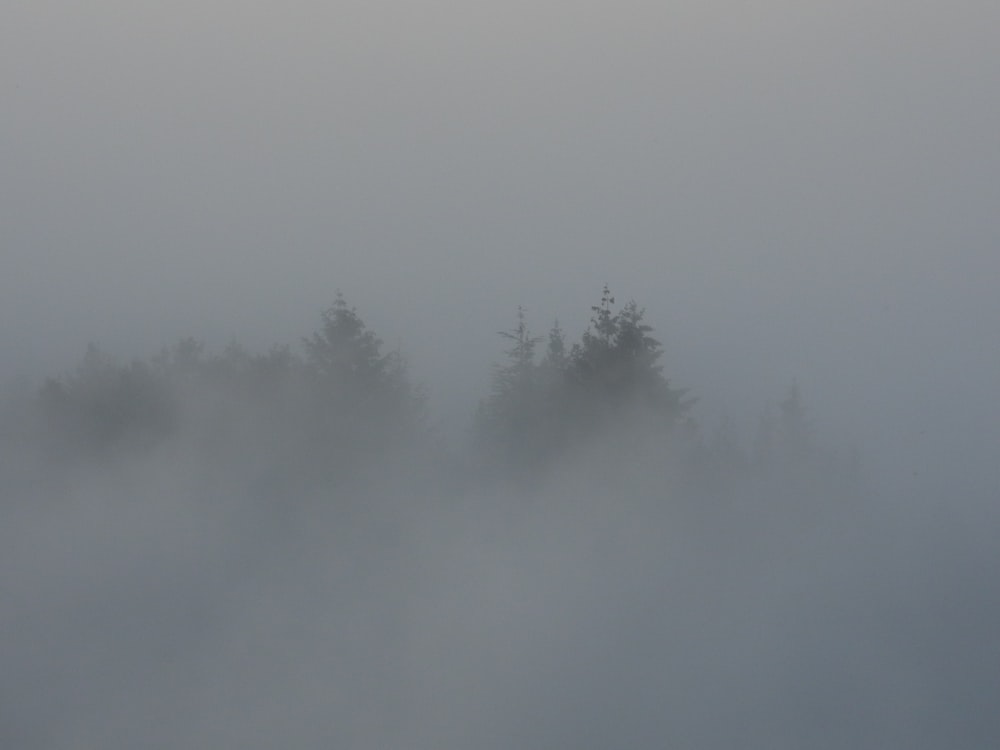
(337, 403)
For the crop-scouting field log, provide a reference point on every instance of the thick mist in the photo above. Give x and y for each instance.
(237, 511)
(232, 549)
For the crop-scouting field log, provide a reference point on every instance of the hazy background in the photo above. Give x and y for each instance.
(793, 191)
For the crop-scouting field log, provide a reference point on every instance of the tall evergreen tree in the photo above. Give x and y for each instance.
(616, 366)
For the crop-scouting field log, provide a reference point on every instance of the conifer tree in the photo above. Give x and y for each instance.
(616, 365)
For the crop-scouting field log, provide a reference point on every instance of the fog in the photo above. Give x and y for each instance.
(210, 542)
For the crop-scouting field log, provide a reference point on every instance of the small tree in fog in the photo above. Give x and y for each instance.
(506, 420)
(515, 378)
(556, 358)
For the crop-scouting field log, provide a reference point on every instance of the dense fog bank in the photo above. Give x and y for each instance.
(772, 522)
(236, 550)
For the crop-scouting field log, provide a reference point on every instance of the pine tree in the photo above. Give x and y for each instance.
(505, 421)
(616, 366)
(356, 399)
(345, 354)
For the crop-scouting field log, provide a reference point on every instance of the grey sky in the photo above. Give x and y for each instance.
(793, 190)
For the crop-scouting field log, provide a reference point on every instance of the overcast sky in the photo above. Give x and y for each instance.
(793, 190)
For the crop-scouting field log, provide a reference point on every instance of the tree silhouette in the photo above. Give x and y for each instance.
(610, 378)
(616, 368)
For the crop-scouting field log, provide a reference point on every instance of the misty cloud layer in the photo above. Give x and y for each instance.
(259, 566)
(212, 535)
(149, 616)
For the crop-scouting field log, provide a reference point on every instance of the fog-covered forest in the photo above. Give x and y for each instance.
(254, 549)
(338, 406)
(658, 409)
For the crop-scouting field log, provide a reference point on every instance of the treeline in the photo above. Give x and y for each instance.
(339, 403)
(317, 413)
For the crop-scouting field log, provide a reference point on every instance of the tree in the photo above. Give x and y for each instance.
(515, 378)
(345, 354)
(358, 398)
(609, 379)
(505, 421)
(556, 358)
(616, 366)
